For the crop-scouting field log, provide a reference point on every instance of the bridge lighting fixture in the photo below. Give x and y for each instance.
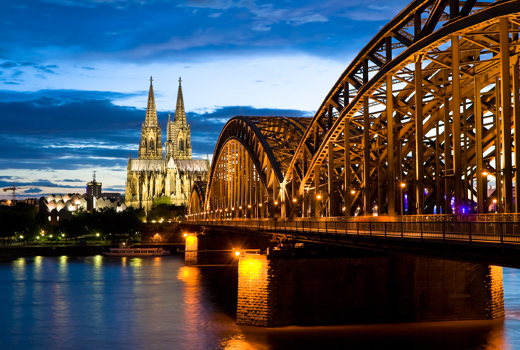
(185, 235)
(494, 200)
(226, 209)
(343, 209)
(275, 203)
(403, 185)
(318, 196)
(153, 221)
(352, 191)
(249, 205)
(485, 173)
(260, 204)
(240, 207)
(237, 253)
(294, 200)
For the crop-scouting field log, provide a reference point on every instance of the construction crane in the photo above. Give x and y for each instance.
(14, 188)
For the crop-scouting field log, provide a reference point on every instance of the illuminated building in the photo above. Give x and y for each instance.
(153, 175)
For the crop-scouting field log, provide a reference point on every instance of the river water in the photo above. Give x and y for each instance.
(158, 303)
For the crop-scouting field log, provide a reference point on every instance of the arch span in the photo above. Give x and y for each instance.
(418, 123)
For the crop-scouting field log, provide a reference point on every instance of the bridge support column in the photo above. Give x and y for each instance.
(278, 291)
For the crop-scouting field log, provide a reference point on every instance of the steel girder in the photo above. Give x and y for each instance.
(398, 70)
(249, 163)
(444, 65)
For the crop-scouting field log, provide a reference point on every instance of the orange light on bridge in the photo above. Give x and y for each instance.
(249, 206)
(403, 185)
(343, 209)
(295, 200)
(260, 204)
(352, 191)
(237, 253)
(318, 196)
(233, 208)
(185, 235)
(485, 173)
(494, 200)
(275, 203)
(240, 207)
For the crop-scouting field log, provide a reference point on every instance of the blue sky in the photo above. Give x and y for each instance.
(74, 75)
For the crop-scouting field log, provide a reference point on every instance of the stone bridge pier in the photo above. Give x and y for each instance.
(282, 289)
(314, 284)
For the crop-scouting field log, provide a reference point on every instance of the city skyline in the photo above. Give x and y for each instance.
(74, 75)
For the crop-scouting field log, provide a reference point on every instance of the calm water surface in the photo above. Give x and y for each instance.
(158, 303)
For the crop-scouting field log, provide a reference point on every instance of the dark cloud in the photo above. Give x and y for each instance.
(69, 130)
(72, 180)
(144, 30)
(33, 190)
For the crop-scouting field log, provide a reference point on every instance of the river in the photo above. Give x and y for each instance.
(159, 303)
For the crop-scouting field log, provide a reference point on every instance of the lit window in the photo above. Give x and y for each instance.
(49, 218)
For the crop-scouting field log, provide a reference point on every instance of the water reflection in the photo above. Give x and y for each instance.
(106, 303)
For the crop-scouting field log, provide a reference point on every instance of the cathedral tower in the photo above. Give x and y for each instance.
(178, 138)
(151, 145)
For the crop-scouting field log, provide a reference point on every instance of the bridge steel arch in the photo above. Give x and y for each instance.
(249, 164)
(438, 64)
(422, 118)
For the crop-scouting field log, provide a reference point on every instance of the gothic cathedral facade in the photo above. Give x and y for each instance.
(152, 174)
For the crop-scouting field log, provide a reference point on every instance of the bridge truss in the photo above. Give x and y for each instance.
(425, 120)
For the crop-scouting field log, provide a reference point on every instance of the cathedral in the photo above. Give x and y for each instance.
(172, 174)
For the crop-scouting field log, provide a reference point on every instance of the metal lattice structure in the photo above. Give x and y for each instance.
(418, 123)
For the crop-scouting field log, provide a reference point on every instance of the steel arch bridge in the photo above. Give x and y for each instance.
(425, 120)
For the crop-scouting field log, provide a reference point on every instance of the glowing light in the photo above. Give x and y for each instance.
(240, 207)
(226, 209)
(318, 196)
(485, 173)
(37, 237)
(232, 208)
(494, 200)
(403, 185)
(260, 204)
(343, 208)
(97, 234)
(50, 236)
(21, 237)
(249, 205)
(275, 203)
(294, 200)
(153, 221)
(237, 253)
(185, 235)
(352, 191)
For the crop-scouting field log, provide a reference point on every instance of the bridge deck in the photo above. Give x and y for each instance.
(495, 243)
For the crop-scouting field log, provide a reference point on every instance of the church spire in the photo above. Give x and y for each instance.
(151, 114)
(180, 114)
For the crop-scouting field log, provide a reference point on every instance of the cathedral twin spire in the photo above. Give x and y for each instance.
(178, 139)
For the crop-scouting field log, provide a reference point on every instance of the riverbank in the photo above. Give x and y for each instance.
(72, 249)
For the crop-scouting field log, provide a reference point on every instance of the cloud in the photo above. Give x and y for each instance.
(72, 180)
(33, 190)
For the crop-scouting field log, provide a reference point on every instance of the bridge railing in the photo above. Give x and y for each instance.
(488, 231)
